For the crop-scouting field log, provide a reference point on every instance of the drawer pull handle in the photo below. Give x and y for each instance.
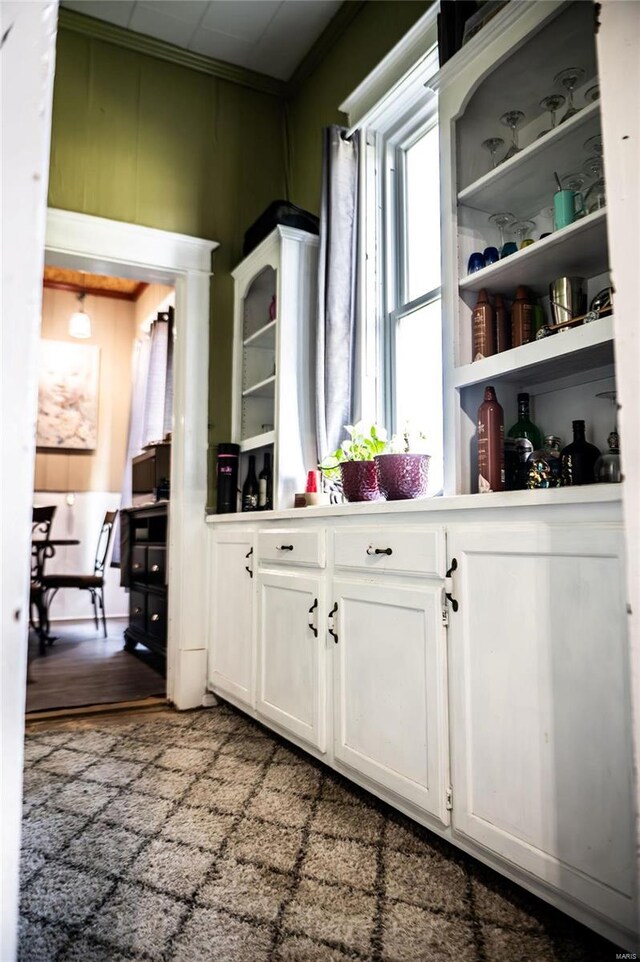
(155, 568)
(372, 550)
(448, 584)
(332, 623)
(136, 566)
(248, 567)
(284, 547)
(137, 611)
(155, 616)
(311, 611)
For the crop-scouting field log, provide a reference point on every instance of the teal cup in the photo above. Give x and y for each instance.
(567, 206)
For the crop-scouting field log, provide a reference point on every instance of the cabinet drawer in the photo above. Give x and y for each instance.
(157, 617)
(292, 546)
(138, 610)
(139, 564)
(411, 550)
(156, 563)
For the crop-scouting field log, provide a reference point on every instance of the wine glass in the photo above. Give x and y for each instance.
(552, 103)
(592, 94)
(594, 145)
(569, 78)
(501, 220)
(512, 119)
(521, 229)
(595, 198)
(493, 144)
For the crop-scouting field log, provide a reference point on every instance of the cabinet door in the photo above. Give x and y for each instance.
(231, 640)
(390, 689)
(540, 717)
(292, 655)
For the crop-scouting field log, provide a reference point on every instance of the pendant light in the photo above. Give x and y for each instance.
(80, 322)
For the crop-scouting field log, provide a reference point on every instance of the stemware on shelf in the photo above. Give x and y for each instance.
(512, 119)
(501, 220)
(593, 145)
(595, 197)
(569, 78)
(552, 103)
(522, 229)
(493, 145)
(592, 94)
(607, 467)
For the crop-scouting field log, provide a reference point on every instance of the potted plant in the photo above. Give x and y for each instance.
(403, 471)
(352, 467)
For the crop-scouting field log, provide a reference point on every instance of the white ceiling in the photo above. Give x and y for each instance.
(270, 36)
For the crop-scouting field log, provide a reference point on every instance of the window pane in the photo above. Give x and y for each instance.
(423, 216)
(418, 379)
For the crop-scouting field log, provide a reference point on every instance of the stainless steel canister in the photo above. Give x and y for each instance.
(567, 296)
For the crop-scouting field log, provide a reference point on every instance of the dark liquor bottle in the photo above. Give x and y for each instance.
(265, 485)
(527, 437)
(503, 325)
(250, 487)
(483, 328)
(522, 320)
(490, 444)
(579, 458)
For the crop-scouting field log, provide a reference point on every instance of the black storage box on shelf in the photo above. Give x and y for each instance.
(279, 212)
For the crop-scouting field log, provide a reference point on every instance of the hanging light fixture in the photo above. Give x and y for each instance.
(80, 322)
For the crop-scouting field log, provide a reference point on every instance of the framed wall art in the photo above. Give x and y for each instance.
(68, 396)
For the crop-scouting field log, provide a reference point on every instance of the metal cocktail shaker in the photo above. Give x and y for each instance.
(567, 298)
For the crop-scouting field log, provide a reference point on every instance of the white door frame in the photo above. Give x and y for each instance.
(102, 246)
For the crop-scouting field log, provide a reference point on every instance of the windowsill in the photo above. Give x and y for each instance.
(587, 494)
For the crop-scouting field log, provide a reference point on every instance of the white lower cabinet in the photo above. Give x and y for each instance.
(389, 686)
(540, 708)
(231, 606)
(291, 654)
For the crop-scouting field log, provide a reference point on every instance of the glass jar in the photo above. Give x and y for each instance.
(607, 469)
(545, 466)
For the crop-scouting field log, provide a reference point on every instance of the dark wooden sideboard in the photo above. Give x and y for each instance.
(147, 577)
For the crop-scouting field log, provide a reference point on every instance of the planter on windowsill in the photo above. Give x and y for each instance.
(402, 476)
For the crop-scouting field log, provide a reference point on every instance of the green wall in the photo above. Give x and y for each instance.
(377, 28)
(141, 140)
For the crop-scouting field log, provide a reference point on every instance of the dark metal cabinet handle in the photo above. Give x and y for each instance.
(331, 631)
(449, 584)
(311, 611)
(136, 566)
(155, 568)
(155, 617)
(248, 567)
(284, 547)
(137, 611)
(372, 550)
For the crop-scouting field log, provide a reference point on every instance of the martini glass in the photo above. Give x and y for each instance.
(569, 78)
(592, 94)
(501, 220)
(594, 145)
(493, 144)
(512, 119)
(552, 103)
(522, 229)
(595, 197)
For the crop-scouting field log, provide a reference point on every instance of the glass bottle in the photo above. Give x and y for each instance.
(490, 444)
(522, 319)
(483, 329)
(545, 466)
(250, 487)
(607, 467)
(579, 458)
(265, 485)
(503, 325)
(527, 437)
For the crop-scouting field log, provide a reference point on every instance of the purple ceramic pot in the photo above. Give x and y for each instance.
(403, 476)
(360, 481)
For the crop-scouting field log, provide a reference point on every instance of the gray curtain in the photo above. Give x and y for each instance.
(335, 357)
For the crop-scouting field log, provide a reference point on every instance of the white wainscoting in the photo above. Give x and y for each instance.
(82, 520)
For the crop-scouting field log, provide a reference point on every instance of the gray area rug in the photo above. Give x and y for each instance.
(200, 837)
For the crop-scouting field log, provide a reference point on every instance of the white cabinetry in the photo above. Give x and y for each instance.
(231, 607)
(274, 302)
(390, 689)
(511, 65)
(540, 717)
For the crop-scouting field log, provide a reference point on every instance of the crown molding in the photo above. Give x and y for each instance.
(141, 43)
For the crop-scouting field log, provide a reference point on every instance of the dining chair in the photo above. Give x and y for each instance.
(41, 521)
(93, 583)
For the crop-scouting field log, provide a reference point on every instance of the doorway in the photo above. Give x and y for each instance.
(105, 393)
(100, 246)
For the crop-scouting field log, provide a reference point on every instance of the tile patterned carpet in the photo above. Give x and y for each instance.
(200, 837)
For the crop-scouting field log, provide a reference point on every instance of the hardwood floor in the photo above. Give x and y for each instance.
(84, 668)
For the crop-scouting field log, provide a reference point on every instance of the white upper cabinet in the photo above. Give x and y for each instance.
(274, 310)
